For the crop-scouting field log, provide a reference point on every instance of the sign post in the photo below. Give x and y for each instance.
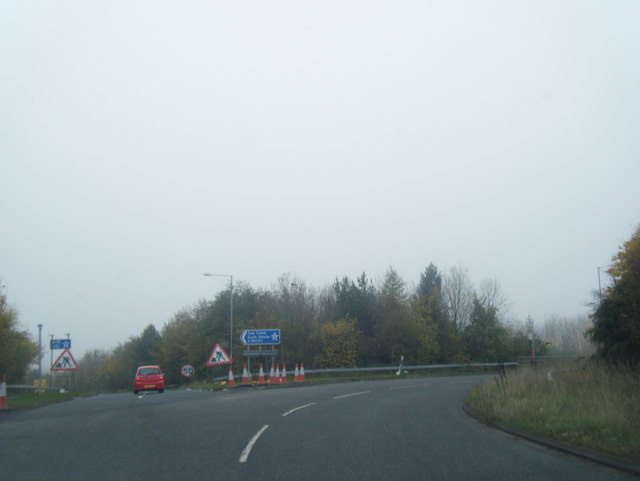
(218, 356)
(65, 362)
(60, 344)
(260, 337)
(187, 370)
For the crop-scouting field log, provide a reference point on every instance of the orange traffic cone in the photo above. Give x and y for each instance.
(261, 376)
(283, 379)
(277, 378)
(245, 376)
(301, 372)
(3, 393)
(296, 374)
(272, 375)
(231, 382)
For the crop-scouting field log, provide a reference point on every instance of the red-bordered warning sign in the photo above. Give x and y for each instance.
(218, 356)
(65, 362)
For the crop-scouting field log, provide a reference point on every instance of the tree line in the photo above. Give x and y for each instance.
(351, 323)
(357, 322)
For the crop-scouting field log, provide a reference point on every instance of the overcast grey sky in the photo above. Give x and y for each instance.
(143, 143)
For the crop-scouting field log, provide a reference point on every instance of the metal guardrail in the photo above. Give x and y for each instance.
(29, 387)
(412, 368)
(496, 365)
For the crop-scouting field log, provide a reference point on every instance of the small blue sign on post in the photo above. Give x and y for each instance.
(258, 337)
(60, 344)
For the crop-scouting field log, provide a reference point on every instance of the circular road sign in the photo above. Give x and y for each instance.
(187, 370)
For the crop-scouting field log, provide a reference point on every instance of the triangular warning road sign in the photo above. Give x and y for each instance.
(218, 356)
(65, 362)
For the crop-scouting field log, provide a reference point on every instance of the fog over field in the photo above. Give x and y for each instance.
(143, 144)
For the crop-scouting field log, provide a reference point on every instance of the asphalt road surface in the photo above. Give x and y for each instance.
(401, 429)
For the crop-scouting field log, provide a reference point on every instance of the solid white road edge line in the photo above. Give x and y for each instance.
(353, 394)
(297, 409)
(247, 450)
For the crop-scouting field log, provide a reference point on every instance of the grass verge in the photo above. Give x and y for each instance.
(33, 400)
(584, 404)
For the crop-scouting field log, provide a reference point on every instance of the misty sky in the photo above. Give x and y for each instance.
(143, 143)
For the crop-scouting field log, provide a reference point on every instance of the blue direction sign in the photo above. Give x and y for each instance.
(60, 344)
(256, 337)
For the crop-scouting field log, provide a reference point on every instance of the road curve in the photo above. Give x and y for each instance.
(402, 429)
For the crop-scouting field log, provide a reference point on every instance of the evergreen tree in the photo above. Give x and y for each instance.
(431, 313)
(432, 302)
(484, 336)
(355, 301)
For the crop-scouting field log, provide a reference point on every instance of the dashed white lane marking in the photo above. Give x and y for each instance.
(352, 394)
(247, 450)
(409, 387)
(297, 409)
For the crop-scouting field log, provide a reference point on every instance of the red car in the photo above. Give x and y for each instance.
(148, 378)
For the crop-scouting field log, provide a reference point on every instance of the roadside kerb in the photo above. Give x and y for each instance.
(604, 459)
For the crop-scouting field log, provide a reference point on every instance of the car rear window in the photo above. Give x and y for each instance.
(148, 371)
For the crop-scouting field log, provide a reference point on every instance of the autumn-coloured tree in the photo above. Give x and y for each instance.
(89, 378)
(17, 350)
(616, 319)
(339, 344)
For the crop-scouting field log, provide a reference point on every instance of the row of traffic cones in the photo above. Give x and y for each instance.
(275, 376)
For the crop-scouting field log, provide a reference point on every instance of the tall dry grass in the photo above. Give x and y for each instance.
(583, 403)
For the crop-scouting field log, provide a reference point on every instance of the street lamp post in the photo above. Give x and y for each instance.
(206, 274)
(51, 350)
(39, 353)
(599, 284)
(51, 363)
